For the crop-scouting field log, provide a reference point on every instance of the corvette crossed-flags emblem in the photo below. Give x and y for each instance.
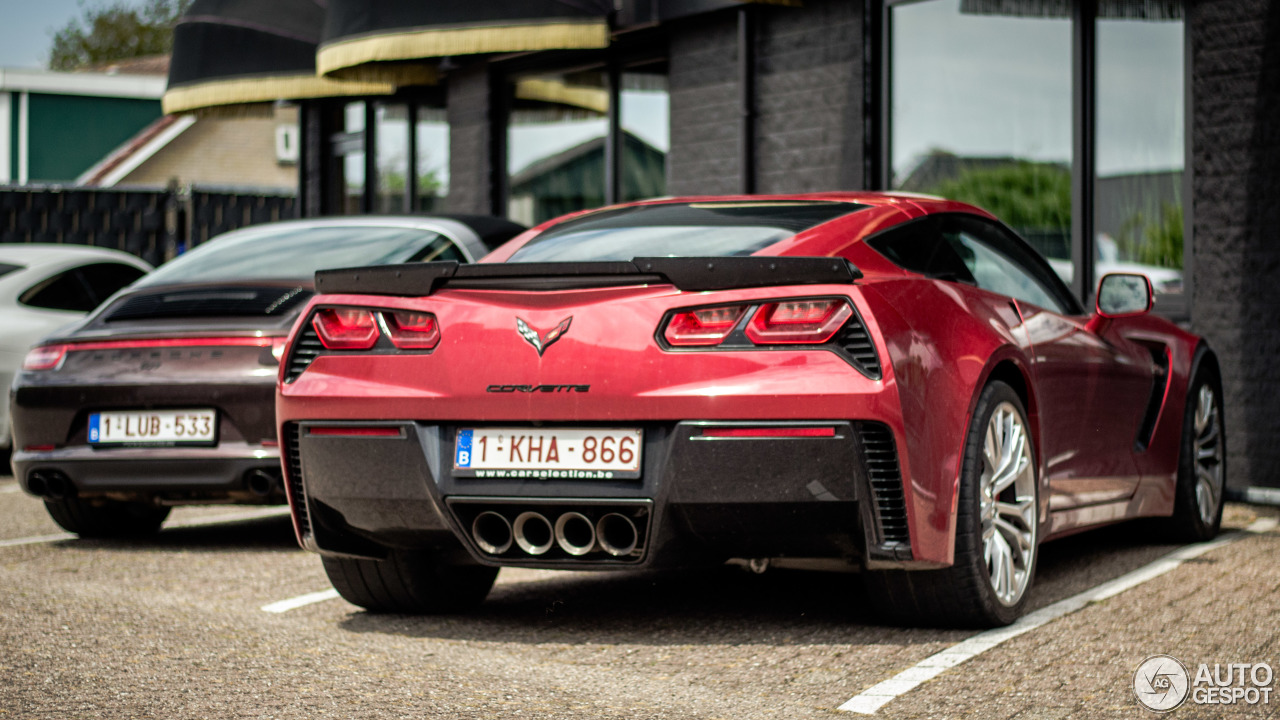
(542, 342)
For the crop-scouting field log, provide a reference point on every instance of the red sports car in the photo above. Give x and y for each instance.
(892, 383)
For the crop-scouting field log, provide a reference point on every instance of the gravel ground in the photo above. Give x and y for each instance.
(171, 627)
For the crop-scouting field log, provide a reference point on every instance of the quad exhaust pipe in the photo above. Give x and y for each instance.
(573, 532)
(533, 533)
(492, 533)
(617, 534)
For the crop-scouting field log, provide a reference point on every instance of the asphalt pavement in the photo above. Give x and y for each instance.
(173, 626)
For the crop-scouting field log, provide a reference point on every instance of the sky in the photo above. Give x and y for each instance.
(1001, 86)
(27, 27)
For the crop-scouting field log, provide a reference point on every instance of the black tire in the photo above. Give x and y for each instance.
(410, 583)
(101, 518)
(962, 595)
(1188, 523)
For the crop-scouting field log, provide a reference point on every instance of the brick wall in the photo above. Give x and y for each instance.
(1236, 252)
(470, 186)
(809, 97)
(704, 106)
(244, 156)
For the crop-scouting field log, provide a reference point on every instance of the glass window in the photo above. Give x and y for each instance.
(961, 248)
(432, 169)
(1140, 142)
(352, 150)
(555, 144)
(995, 271)
(104, 279)
(295, 252)
(6, 268)
(64, 291)
(392, 140)
(981, 101)
(644, 104)
(678, 230)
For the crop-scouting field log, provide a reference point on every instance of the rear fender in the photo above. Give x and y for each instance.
(941, 359)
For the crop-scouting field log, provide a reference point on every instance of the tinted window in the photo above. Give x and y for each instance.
(6, 268)
(440, 249)
(972, 250)
(678, 230)
(64, 291)
(294, 253)
(918, 246)
(1021, 273)
(104, 279)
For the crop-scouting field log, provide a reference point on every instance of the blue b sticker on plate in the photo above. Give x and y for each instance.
(462, 454)
(93, 427)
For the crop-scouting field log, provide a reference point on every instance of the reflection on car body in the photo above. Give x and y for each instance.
(892, 383)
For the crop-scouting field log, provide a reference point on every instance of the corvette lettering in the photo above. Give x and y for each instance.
(538, 388)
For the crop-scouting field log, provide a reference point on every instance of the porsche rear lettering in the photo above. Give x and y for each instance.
(538, 388)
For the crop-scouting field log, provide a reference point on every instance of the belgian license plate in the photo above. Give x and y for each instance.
(548, 454)
(154, 427)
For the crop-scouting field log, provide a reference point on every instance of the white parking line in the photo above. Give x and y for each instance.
(194, 522)
(297, 602)
(877, 696)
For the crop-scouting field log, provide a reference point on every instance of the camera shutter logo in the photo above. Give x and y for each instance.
(1161, 683)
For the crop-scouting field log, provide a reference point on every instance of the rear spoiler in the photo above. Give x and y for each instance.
(686, 273)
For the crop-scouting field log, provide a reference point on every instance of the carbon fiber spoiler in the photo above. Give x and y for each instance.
(686, 273)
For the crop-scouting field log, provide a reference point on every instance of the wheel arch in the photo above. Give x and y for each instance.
(1008, 368)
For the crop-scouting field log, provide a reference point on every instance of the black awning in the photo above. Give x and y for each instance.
(232, 52)
(374, 39)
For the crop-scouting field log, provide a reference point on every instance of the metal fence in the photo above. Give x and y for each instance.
(155, 225)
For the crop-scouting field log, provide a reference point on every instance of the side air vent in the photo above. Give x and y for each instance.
(210, 302)
(854, 340)
(886, 481)
(293, 476)
(305, 350)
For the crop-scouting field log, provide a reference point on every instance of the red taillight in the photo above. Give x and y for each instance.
(346, 328)
(412, 330)
(704, 326)
(45, 357)
(809, 322)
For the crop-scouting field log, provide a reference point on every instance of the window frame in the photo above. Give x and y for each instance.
(635, 52)
(1083, 19)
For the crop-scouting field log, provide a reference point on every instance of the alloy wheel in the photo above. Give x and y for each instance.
(1207, 447)
(1008, 504)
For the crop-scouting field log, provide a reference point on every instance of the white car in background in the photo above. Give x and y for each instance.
(1107, 261)
(44, 287)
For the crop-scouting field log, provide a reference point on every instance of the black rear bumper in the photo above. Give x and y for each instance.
(699, 498)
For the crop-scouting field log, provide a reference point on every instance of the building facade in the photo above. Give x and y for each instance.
(1113, 134)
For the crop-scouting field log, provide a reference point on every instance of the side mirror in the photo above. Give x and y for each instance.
(1124, 295)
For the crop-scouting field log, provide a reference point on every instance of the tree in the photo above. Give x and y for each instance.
(119, 30)
(1027, 195)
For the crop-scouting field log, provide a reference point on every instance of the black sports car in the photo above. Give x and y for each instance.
(163, 396)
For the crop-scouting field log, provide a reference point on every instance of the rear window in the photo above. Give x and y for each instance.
(710, 229)
(297, 253)
(6, 268)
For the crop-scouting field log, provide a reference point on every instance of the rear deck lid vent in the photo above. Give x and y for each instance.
(211, 302)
